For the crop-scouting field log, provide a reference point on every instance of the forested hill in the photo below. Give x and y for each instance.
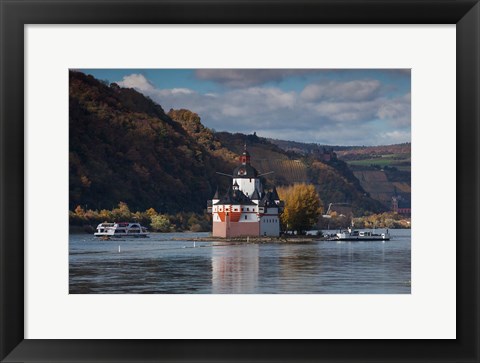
(333, 179)
(124, 147)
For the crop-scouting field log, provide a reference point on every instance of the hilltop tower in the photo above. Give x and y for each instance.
(246, 209)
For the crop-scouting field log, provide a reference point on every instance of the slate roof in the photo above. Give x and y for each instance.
(245, 171)
(275, 194)
(255, 195)
(235, 197)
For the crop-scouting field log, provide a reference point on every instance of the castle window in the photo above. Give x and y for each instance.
(245, 217)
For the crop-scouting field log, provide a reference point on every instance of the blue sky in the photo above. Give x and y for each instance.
(328, 106)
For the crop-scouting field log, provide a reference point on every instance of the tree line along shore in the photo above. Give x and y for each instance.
(303, 211)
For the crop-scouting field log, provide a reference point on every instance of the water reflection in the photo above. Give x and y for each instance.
(164, 265)
(234, 268)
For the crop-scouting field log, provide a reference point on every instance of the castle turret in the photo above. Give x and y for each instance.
(275, 196)
(246, 176)
(235, 186)
(255, 196)
(245, 157)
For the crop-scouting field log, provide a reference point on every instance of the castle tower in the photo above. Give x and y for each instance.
(245, 210)
(246, 176)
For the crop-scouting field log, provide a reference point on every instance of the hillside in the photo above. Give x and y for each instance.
(124, 147)
(383, 171)
(333, 180)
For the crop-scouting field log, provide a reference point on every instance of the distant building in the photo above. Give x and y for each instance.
(246, 209)
(401, 205)
(325, 154)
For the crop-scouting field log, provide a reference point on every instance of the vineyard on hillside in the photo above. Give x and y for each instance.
(377, 185)
(286, 171)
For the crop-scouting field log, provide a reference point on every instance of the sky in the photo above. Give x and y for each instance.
(324, 106)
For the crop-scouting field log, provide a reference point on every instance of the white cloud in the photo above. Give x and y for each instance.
(184, 91)
(396, 110)
(396, 136)
(346, 111)
(349, 113)
(137, 81)
(242, 78)
(361, 90)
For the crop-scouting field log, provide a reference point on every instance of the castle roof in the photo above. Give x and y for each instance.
(275, 194)
(255, 195)
(235, 197)
(245, 171)
(267, 200)
(404, 203)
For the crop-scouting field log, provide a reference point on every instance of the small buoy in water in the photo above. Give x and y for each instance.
(119, 249)
(193, 244)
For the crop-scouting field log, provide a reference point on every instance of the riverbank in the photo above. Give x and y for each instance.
(255, 240)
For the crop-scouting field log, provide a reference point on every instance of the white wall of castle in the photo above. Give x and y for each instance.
(270, 225)
(249, 212)
(248, 185)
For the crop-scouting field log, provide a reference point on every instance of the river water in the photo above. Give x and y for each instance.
(162, 265)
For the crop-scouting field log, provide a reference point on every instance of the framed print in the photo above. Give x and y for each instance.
(226, 273)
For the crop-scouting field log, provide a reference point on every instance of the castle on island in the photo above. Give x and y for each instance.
(246, 209)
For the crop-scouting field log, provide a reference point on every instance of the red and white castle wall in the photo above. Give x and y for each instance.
(246, 209)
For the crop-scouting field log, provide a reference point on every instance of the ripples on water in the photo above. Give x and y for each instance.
(163, 266)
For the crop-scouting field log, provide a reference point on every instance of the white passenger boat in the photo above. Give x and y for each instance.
(118, 230)
(354, 235)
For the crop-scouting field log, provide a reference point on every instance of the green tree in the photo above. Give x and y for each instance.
(303, 207)
(151, 212)
(160, 223)
(122, 213)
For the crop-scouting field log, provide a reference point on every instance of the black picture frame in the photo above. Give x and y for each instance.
(15, 14)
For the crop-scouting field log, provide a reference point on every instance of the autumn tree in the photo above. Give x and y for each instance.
(160, 223)
(122, 213)
(303, 207)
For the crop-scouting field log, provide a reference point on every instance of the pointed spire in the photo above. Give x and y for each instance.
(255, 195)
(265, 199)
(245, 157)
(228, 196)
(275, 194)
(216, 194)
